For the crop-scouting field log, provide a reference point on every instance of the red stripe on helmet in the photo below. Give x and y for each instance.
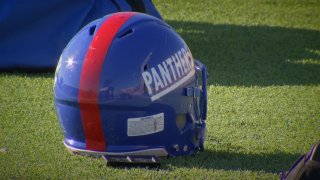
(90, 78)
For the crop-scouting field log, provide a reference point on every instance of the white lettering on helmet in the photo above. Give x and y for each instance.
(177, 64)
(157, 79)
(147, 80)
(182, 60)
(165, 74)
(169, 62)
(161, 80)
(187, 58)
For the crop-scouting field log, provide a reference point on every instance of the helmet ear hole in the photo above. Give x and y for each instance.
(145, 68)
(92, 29)
(181, 121)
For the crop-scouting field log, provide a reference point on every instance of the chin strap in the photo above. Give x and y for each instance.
(203, 134)
(203, 102)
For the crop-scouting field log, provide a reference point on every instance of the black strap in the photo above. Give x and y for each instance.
(311, 170)
(306, 167)
(117, 5)
(137, 5)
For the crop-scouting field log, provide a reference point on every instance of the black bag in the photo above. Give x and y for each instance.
(306, 167)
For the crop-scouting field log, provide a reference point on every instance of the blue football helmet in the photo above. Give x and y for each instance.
(127, 84)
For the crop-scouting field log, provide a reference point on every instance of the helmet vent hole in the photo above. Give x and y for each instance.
(126, 33)
(92, 30)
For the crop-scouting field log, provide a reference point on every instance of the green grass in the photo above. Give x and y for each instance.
(263, 59)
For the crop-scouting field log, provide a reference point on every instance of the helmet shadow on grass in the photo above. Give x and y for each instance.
(222, 160)
(254, 55)
(238, 55)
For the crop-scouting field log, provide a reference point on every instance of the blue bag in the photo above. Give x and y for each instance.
(33, 33)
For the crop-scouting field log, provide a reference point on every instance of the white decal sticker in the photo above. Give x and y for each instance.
(169, 74)
(145, 125)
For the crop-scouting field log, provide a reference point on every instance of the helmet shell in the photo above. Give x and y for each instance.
(121, 88)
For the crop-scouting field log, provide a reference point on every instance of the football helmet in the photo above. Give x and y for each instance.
(127, 84)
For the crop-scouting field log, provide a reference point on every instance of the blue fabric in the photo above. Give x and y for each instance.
(33, 33)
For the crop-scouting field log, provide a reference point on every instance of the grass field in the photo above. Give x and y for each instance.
(263, 58)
